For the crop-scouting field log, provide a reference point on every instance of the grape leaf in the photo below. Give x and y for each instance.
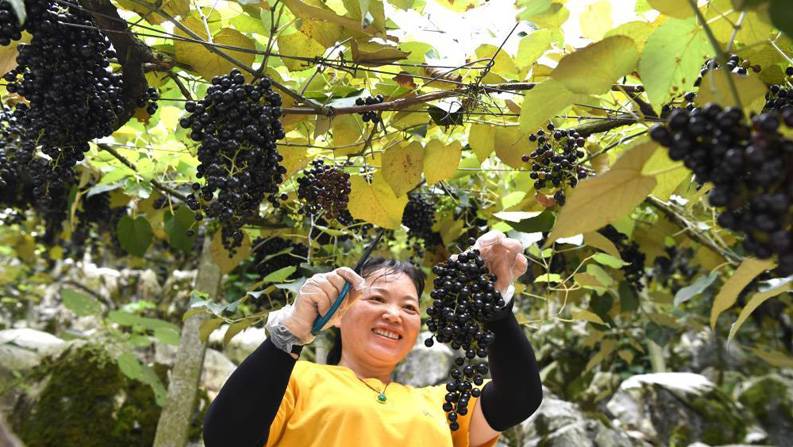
(205, 62)
(135, 236)
(376, 202)
(672, 58)
(715, 88)
(299, 44)
(510, 144)
(603, 199)
(532, 47)
(594, 68)
(223, 258)
(754, 302)
(441, 160)
(679, 9)
(744, 274)
(543, 102)
(177, 225)
(482, 139)
(402, 166)
(694, 289)
(595, 20)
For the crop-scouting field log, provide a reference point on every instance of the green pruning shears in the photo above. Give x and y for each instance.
(322, 320)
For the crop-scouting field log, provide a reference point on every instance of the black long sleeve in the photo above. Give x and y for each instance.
(515, 392)
(242, 412)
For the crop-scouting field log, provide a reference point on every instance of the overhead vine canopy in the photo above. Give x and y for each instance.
(641, 149)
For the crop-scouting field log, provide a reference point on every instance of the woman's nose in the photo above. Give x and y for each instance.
(391, 313)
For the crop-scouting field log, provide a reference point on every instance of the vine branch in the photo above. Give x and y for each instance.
(129, 164)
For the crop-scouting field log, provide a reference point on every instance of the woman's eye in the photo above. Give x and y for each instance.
(376, 298)
(411, 309)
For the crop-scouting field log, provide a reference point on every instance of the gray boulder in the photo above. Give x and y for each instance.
(425, 366)
(558, 423)
(678, 409)
(770, 399)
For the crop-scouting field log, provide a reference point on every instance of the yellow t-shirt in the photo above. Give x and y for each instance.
(328, 406)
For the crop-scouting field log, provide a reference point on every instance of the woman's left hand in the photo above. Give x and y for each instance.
(503, 257)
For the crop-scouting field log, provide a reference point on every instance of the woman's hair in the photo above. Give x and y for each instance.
(384, 266)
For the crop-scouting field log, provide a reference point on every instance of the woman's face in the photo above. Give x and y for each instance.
(381, 327)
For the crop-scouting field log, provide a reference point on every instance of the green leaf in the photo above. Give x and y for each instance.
(236, 328)
(548, 277)
(541, 222)
(207, 327)
(177, 225)
(601, 275)
(629, 301)
(532, 47)
(744, 274)
(697, 287)
(82, 305)
(206, 63)
(679, 9)
(715, 88)
(130, 366)
(543, 102)
(754, 302)
(609, 261)
(482, 140)
(135, 236)
(672, 58)
(586, 315)
(167, 336)
(279, 275)
(595, 68)
(600, 200)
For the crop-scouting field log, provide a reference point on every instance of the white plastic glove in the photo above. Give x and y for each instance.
(504, 258)
(314, 298)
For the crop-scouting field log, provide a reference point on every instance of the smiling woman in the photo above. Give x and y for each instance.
(274, 400)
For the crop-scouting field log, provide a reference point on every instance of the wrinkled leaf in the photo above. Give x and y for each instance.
(376, 203)
(402, 167)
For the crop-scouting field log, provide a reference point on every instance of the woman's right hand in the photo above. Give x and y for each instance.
(317, 295)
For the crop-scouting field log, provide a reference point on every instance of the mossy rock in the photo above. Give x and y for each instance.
(770, 399)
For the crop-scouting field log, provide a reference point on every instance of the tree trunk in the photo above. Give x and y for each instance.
(7, 437)
(656, 356)
(174, 423)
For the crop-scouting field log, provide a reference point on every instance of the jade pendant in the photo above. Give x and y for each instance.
(381, 398)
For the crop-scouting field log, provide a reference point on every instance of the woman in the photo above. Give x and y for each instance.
(274, 400)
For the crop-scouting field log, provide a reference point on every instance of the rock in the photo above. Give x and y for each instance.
(241, 345)
(217, 368)
(702, 349)
(770, 399)
(678, 409)
(558, 423)
(148, 286)
(42, 343)
(425, 366)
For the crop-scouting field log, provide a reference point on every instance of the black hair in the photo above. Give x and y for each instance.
(387, 266)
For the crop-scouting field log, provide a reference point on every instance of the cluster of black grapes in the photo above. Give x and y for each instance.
(464, 298)
(324, 189)
(149, 100)
(237, 125)
(419, 217)
(674, 270)
(555, 162)
(72, 97)
(275, 253)
(370, 115)
(779, 96)
(630, 253)
(749, 166)
(734, 63)
(10, 28)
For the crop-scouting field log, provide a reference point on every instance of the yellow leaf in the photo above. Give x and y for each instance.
(502, 64)
(510, 145)
(532, 47)
(376, 53)
(587, 316)
(626, 355)
(774, 358)
(679, 9)
(299, 44)
(318, 11)
(597, 240)
(295, 158)
(744, 274)
(171, 7)
(595, 20)
(347, 130)
(225, 260)
(402, 166)
(594, 68)
(323, 32)
(605, 198)
(376, 203)
(207, 327)
(638, 31)
(716, 88)
(451, 230)
(441, 160)
(606, 348)
(543, 102)
(482, 139)
(668, 174)
(8, 58)
(754, 302)
(203, 61)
